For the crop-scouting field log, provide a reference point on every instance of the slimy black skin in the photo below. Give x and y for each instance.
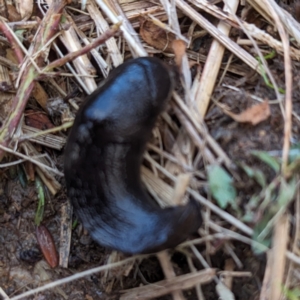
(103, 157)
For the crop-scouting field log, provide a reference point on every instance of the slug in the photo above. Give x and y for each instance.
(103, 157)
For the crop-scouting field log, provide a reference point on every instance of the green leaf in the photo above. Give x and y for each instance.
(220, 185)
(264, 73)
(293, 294)
(19, 33)
(260, 226)
(74, 224)
(248, 217)
(256, 174)
(253, 202)
(294, 152)
(294, 167)
(294, 159)
(63, 19)
(268, 159)
(286, 193)
(267, 56)
(39, 214)
(250, 208)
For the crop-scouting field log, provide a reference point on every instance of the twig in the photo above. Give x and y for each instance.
(48, 29)
(217, 34)
(280, 243)
(76, 277)
(3, 294)
(102, 25)
(251, 29)
(14, 45)
(164, 287)
(274, 10)
(71, 56)
(135, 44)
(39, 133)
(169, 273)
(6, 149)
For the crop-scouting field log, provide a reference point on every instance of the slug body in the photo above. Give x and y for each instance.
(103, 157)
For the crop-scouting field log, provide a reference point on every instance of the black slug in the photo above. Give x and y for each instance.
(103, 157)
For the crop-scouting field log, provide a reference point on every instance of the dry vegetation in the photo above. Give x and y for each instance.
(229, 139)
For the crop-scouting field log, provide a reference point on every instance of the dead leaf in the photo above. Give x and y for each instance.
(40, 95)
(156, 36)
(37, 120)
(13, 15)
(25, 8)
(179, 48)
(47, 245)
(254, 115)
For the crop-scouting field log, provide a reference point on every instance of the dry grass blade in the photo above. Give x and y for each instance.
(77, 276)
(204, 88)
(102, 26)
(3, 294)
(232, 68)
(8, 150)
(292, 26)
(275, 12)
(167, 286)
(50, 27)
(223, 214)
(289, 282)
(217, 34)
(128, 32)
(82, 63)
(266, 287)
(65, 234)
(254, 31)
(42, 138)
(181, 185)
(157, 187)
(196, 122)
(280, 242)
(164, 259)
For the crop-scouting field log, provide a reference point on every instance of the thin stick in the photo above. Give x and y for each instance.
(77, 276)
(71, 56)
(288, 84)
(164, 260)
(212, 65)
(6, 149)
(280, 243)
(137, 47)
(3, 294)
(64, 126)
(223, 214)
(217, 34)
(14, 45)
